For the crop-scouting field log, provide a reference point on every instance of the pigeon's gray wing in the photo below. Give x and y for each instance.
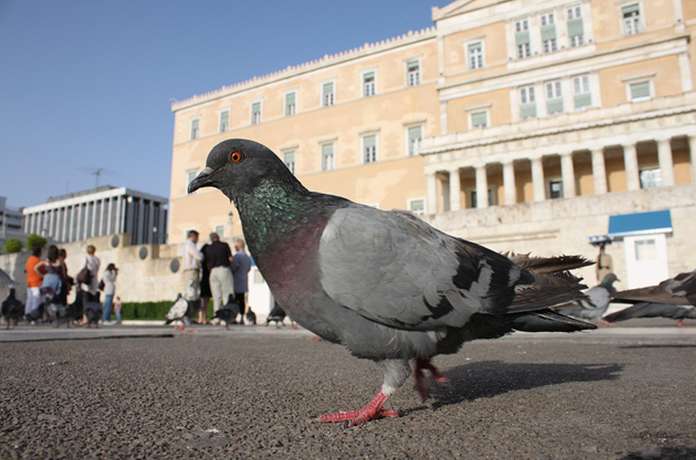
(653, 310)
(395, 269)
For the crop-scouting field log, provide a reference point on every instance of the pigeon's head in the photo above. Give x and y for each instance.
(609, 280)
(237, 166)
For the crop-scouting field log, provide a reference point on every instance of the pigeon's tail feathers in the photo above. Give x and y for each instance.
(549, 321)
(547, 291)
(547, 265)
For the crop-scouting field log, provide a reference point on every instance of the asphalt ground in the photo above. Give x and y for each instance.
(256, 393)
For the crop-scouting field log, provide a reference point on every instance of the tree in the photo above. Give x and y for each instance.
(12, 246)
(35, 241)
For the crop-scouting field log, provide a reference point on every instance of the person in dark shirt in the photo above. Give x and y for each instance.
(241, 264)
(217, 257)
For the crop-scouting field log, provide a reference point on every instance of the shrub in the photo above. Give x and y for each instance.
(35, 241)
(12, 246)
(151, 310)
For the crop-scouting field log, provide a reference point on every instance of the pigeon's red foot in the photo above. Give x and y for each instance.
(680, 323)
(372, 411)
(419, 376)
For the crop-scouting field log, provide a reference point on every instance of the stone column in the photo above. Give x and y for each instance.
(63, 223)
(431, 200)
(509, 183)
(93, 228)
(481, 187)
(109, 212)
(568, 175)
(150, 223)
(692, 154)
(102, 212)
(664, 156)
(599, 173)
(538, 179)
(631, 167)
(118, 228)
(454, 190)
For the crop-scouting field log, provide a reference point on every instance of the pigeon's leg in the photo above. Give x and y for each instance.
(423, 364)
(395, 374)
(680, 323)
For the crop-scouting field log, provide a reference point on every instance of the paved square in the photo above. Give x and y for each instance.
(250, 393)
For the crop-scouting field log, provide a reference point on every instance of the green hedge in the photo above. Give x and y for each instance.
(151, 310)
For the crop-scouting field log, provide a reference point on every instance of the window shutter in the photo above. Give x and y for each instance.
(576, 27)
(640, 90)
(479, 119)
(522, 37)
(328, 88)
(548, 32)
(631, 9)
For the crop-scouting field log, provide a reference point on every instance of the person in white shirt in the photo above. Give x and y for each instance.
(192, 271)
(92, 263)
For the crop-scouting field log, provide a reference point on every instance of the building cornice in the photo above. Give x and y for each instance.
(368, 49)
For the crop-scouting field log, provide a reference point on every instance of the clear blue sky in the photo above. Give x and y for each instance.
(87, 84)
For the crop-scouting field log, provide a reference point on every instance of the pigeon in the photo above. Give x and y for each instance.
(228, 312)
(250, 317)
(384, 284)
(277, 315)
(178, 311)
(93, 312)
(673, 298)
(596, 304)
(12, 308)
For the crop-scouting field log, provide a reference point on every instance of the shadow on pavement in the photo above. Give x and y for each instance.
(487, 379)
(659, 345)
(663, 453)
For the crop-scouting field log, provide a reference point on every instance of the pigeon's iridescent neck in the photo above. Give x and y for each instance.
(271, 212)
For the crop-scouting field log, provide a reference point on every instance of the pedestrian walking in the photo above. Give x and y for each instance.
(109, 281)
(206, 293)
(241, 264)
(218, 257)
(34, 280)
(192, 272)
(66, 280)
(92, 263)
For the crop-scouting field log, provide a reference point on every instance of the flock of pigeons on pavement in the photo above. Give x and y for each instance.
(393, 289)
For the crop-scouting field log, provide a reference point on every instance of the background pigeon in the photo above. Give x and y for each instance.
(385, 284)
(12, 309)
(595, 305)
(178, 311)
(228, 312)
(673, 298)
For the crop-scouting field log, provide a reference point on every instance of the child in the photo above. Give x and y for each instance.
(117, 309)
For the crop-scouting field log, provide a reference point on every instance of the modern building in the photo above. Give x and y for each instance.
(10, 222)
(521, 124)
(101, 211)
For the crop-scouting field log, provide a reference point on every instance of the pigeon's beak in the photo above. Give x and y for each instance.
(203, 179)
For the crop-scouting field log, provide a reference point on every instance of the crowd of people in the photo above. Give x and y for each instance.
(49, 283)
(213, 272)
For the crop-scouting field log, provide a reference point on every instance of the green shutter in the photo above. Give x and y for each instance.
(548, 32)
(554, 106)
(479, 119)
(640, 90)
(290, 98)
(369, 141)
(528, 110)
(522, 37)
(629, 9)
(328, 88)
(583, 100)
(576, 27)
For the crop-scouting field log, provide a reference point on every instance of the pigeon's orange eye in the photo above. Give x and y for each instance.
(236, 156)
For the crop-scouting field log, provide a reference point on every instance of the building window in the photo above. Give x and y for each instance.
(554, 97)
(576, 26)
(328, 97)
(256, 113)
(475, 55)
(527, 102)
(190, 176)
(195, 129)
(290, 104)
(583, 92)
(417, 206)
(368, 84)
(414, 135)
(473, 198)
(369, 145)
(631, 18)
(640, 90)
(220, 230)
(650, 177)
(548, 33)
(289, 160)
(522, 40)
(478, 119)
(224, 124)
(413, 72)
(328, 161)
(555, 189)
